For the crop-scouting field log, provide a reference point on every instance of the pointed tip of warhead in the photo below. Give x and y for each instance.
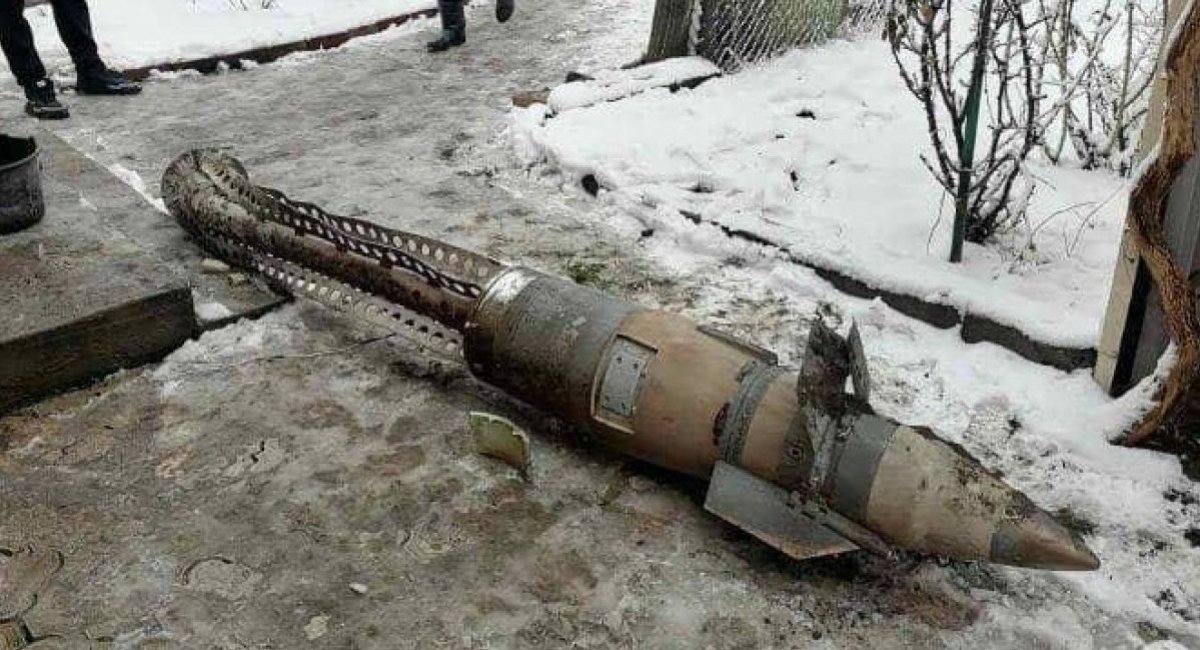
(1037, 541)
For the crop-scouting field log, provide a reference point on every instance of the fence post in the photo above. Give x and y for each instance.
(962, 203)
(670, 30)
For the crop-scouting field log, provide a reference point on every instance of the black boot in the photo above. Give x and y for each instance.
(43, 102)
(449, 38)
(505, 9)
(106, 82)
(454, 26)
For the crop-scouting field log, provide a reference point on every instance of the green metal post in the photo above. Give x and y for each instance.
(967, 153)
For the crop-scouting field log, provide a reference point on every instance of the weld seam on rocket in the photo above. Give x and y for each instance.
(740, 411)
(860, 454)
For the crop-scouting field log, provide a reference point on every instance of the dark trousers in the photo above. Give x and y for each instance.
(74, 26)
(454, 16)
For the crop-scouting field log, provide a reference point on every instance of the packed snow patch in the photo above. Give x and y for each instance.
(139, 33)
(819, 151)
(212, 311)
(609, 85)
(135, 181)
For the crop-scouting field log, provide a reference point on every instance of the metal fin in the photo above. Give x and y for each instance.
(764, 510)
(860, 376)
(825, 367)
(864, 538)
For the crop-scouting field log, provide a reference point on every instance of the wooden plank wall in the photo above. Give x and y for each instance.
(1134, 334)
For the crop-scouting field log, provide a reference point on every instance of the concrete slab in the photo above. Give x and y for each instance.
(220, 298)
(81, 300)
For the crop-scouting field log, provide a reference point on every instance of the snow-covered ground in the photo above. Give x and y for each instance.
(819, 151)
(421, 156)
(139, 33)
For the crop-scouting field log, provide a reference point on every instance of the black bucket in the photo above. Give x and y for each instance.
(21, 202)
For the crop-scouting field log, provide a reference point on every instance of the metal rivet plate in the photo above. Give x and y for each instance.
(623, 378)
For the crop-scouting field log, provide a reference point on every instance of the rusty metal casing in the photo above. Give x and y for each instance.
(651, 384)
(659, 387)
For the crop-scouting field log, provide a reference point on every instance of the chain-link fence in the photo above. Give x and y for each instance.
(732, 33)
(865, 17)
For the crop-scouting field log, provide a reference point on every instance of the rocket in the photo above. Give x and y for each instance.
(791, 457)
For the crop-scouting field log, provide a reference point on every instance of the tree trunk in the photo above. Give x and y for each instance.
(1175, 420)
(733, 32)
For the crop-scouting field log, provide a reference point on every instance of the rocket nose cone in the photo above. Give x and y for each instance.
(1035, 540)
(928, 495)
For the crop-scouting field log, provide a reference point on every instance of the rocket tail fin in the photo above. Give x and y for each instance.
(765, 510)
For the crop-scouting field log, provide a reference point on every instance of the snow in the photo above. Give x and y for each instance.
(609, 85)
(1059, 454)
(818, 151)
(135, 181)
(1172, 39)
(139, 33)
(212, 311)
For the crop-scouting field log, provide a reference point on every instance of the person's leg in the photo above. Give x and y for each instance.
(505, 10)
(454, 26)
(75, 28)
(74, 22)
(16, 39)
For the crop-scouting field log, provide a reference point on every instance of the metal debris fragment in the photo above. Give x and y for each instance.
(501, 439)
(527, 98)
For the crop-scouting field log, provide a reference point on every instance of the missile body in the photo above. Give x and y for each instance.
(657, 387)
(790, 458)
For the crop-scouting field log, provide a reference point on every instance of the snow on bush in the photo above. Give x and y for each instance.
(1051, 72)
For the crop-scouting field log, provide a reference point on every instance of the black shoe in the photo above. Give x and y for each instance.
(505, 9)
(106, 82)
(43, 103)
(449, 38)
